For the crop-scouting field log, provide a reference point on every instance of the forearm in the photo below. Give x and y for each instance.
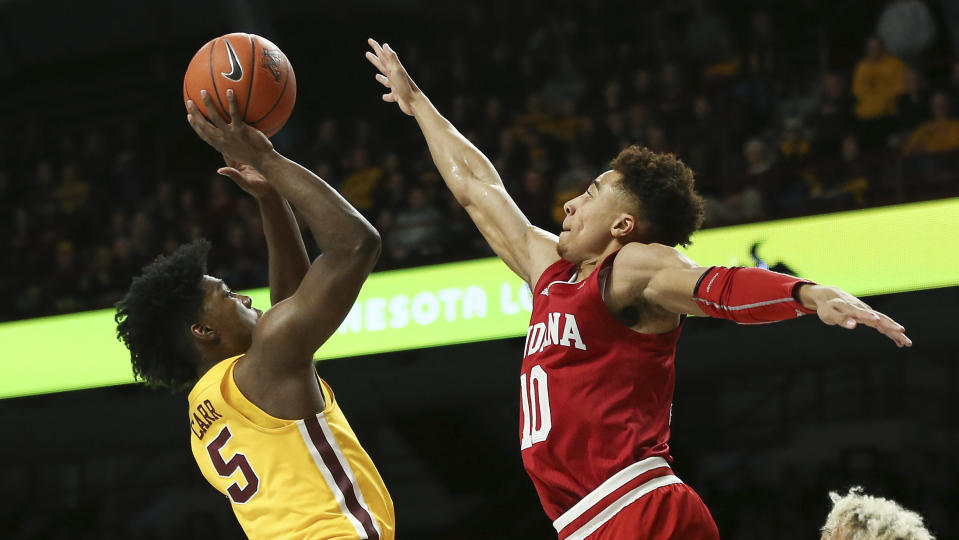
(336, 225)
(288, 261)
(751, 295)
(462, 166)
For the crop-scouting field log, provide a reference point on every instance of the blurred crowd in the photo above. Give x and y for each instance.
(775, 111)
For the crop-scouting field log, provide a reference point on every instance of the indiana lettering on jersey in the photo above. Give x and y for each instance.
(559, 329)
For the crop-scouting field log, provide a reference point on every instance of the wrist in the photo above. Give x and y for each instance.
(418, 102)
(808, 295)
(266, 161)
(268, 197)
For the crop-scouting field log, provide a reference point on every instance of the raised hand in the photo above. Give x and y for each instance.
(247, 177)
(236, 139)
(837, 307)
(393, 76)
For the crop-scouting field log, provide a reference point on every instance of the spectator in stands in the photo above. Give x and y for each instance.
(953, 89)
(794, 145)
(795, 175)
(940, 134)
(613, 96)
(708, 38)
(536, 200)
(703, 137)
(672, 96)
(856, 516)
(642, 87)
(877, 84)
(744, 199)
(492, 122)
(913, 105)
(359, 185)
(567, 124)
(833, 117)
(60, 284)
(761, 53)
(843, 183)
(326, 143)
(510, 156)
(565, 83)
(418, 229)
(73, 192)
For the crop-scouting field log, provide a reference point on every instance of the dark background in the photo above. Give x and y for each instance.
(766, 420)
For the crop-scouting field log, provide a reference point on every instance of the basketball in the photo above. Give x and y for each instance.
(255, 69)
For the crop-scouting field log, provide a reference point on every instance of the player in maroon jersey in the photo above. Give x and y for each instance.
(609, 298)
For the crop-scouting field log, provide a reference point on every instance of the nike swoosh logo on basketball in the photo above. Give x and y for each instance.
(237, 72)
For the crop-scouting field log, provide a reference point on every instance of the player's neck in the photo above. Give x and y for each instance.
(205, 364)
(589, 265)
(212, 357)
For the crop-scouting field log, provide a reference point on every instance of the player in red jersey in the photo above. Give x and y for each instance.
(609, 298)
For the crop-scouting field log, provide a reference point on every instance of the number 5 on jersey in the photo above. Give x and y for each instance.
(226, 468)
(536, 417)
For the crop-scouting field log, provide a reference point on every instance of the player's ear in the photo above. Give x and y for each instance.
(203, 332)
(623, 227)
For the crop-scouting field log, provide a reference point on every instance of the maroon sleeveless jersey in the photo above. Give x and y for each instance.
(596, 395)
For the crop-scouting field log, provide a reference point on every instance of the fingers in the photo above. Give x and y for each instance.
(383, 80)
(849, 316)
(375, 46)
(389, 97)
(211, 110)
(375, 60)
(853, 315)
(234, 109)
(230, 173)
(893, 330)
(198, 123)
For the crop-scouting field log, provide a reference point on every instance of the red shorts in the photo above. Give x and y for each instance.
(673, 512)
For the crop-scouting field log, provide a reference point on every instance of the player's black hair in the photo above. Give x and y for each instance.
(154, 318)
(662, 186)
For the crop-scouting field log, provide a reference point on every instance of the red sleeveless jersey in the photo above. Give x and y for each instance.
(596, 395)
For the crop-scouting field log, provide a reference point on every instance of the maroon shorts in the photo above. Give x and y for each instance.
(673, 512)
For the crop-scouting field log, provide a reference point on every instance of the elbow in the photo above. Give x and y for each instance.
(368, 246)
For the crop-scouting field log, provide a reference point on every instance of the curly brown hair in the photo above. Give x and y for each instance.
(154, 318)
(662, 186)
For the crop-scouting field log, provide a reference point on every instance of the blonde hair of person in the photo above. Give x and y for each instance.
(856, 516)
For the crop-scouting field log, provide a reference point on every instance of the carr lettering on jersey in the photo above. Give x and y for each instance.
(202, 418)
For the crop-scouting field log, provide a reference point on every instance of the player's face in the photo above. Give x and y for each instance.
(587, 228)
(232, 315)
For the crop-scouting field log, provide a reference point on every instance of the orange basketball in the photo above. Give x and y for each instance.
(255, 69)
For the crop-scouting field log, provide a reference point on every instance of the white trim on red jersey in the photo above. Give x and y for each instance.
(613, 483)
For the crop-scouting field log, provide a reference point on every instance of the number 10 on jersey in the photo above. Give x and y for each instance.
(536, 417)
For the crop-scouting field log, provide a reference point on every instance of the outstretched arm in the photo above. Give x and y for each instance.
(470, 176)
(288, 261)
(289, 333)
(662, 276)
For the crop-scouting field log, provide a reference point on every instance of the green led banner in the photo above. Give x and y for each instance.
(867, 252)
(430, 306)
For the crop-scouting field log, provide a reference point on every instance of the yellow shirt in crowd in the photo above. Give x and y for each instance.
(933, 136)
(876, 86)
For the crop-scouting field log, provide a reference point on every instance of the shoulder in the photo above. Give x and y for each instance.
(650, 257)
(636, 264)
